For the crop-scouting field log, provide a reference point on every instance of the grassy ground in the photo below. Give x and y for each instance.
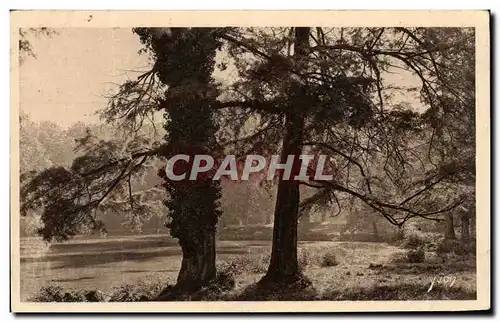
(358, 271)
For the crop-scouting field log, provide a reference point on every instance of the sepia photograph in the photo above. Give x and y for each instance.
(246, 161)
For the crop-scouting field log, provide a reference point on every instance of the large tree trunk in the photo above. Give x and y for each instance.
(465, 227)
(197, 267)
(450, 227)
(198, 263)
(193, 205)
(283, 267)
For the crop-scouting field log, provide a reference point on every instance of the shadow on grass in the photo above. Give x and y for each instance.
(267, 290)
(256, 292)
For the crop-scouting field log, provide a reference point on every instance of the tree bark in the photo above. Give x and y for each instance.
(197, 266)
(450, 227)
(283, 267)
(198, 263)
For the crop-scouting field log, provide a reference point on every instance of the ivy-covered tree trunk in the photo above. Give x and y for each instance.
(186, 59)
(283, 267)
(194, 213)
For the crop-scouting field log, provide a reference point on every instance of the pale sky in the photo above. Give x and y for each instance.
(76, 67)
(73, 69)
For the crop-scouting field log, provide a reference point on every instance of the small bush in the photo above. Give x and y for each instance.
(231, 264)
(50, 293)
(144, 290)
(55, 293)
(95, 296)
(256, 264)
(415, 256)
(329, 260)
(225, 279)
(409, 256)
(318, 257)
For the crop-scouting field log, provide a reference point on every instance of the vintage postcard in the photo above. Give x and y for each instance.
(250, 161)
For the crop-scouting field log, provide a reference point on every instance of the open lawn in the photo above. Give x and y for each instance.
(351, 270)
